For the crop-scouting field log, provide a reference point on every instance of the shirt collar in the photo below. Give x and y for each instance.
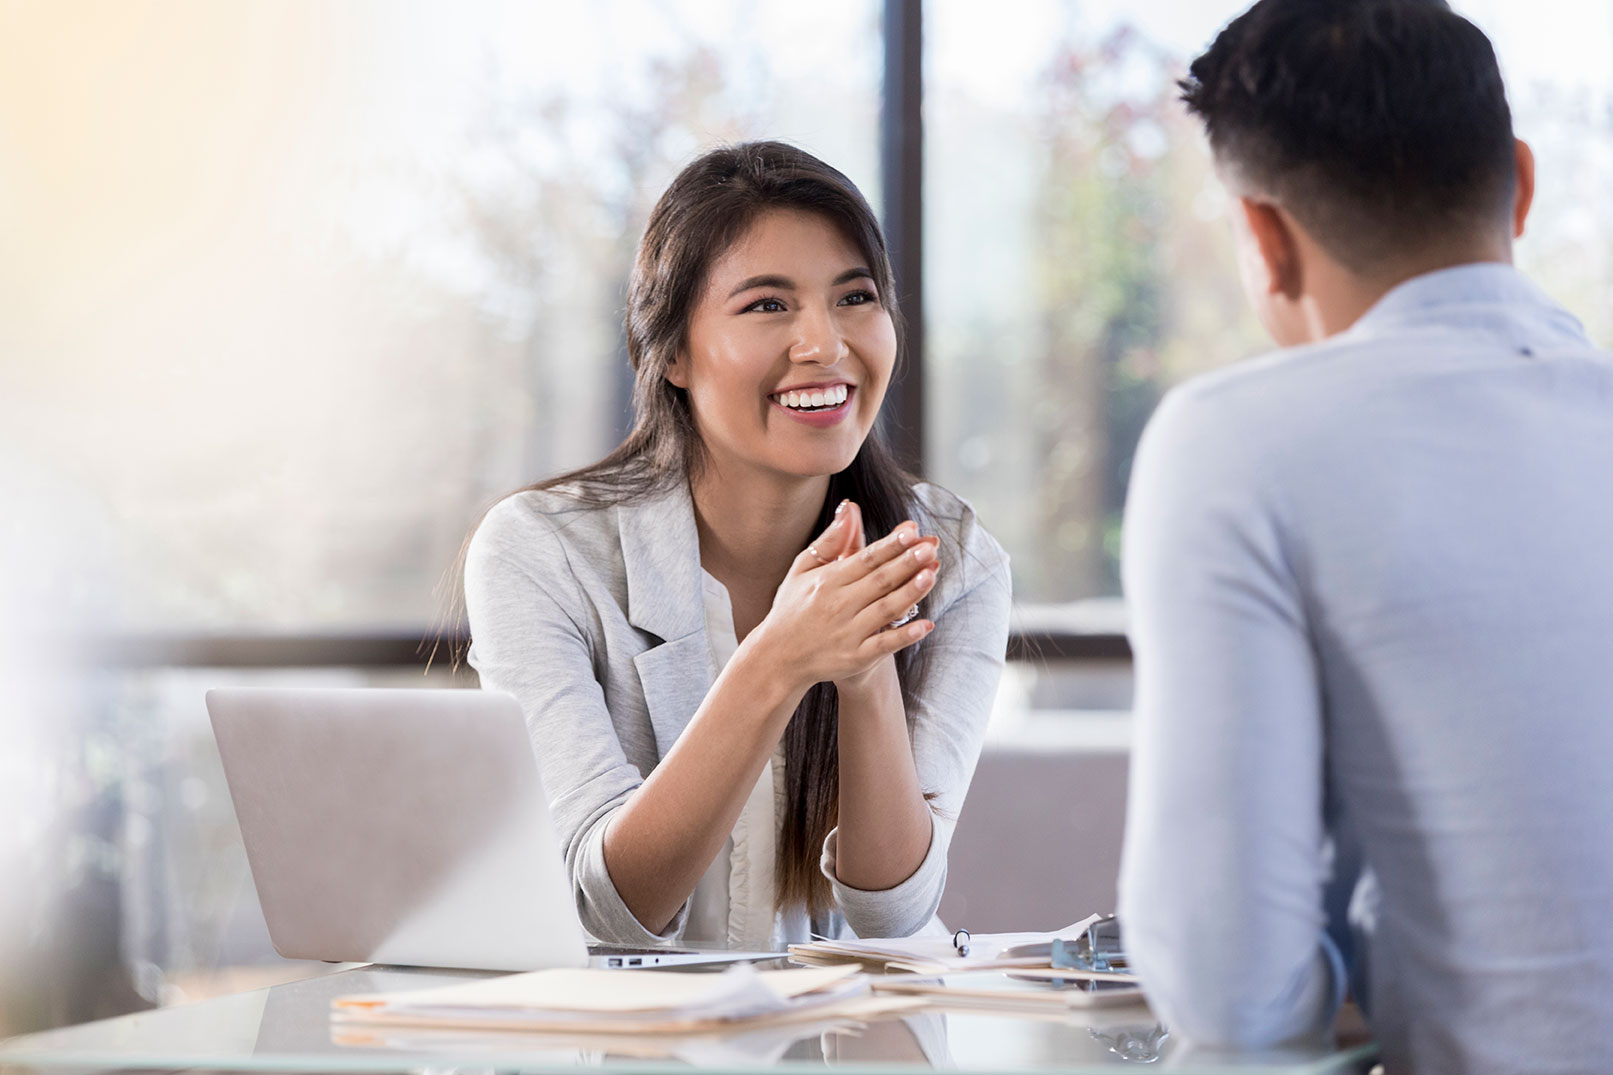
(1487, 297)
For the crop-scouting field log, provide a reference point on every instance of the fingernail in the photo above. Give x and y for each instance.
(907, 535)
(917, 630)
(924, 553)
(839, 510)
(926, 579)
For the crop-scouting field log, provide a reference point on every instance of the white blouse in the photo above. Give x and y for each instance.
(734, 902)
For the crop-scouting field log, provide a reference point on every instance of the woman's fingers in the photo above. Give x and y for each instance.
(894, 605)
(833, 612)
(897, 638)
(892, 566)
(828, 546)
(856, 536)
(886, 549)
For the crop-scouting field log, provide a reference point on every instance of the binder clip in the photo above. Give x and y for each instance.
(1098, 949)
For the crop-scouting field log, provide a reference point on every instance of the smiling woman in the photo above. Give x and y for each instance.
(756, 658)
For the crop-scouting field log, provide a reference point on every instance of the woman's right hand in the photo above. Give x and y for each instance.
(831, 616)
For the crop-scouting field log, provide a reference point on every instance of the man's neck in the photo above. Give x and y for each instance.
(1336, 297)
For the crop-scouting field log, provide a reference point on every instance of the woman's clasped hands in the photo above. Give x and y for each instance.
(840, 610)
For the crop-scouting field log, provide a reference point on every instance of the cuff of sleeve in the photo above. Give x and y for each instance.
(902, 910)
(600, 906)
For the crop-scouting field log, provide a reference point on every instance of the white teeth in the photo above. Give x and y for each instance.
(832, 396)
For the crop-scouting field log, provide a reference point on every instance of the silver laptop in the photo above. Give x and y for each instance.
(405, 826)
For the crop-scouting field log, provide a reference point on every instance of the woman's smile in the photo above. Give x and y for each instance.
(820, 405)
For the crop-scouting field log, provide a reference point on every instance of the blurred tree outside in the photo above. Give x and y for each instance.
(1135, 287)
(552, 197)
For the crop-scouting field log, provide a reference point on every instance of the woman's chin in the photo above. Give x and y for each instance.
(818, 464)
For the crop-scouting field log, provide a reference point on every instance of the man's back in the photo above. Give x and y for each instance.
(1417, 518)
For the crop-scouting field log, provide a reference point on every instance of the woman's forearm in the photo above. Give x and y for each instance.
(885, 824)
(665, 836)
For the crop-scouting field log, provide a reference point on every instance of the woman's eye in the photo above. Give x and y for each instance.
(766, 306)
(857, 298)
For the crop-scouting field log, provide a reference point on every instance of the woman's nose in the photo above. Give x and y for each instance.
(817, 339)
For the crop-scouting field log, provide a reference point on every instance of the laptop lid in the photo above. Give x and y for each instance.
(397, 826)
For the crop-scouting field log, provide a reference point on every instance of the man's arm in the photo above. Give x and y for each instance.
(1223, 869)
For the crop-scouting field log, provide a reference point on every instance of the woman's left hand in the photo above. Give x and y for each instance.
(831, 616)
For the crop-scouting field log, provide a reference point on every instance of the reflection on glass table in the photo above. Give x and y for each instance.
(288, 1028)
(1141, 1044)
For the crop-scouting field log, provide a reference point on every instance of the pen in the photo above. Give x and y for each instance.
(960, 941)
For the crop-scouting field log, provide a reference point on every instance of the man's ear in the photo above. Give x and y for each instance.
(677, 369)
(1273, 244)
(1523, 190)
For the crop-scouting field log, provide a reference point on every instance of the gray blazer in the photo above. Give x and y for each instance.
(592, 618)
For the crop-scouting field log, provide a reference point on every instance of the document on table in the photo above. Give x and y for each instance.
(932, 955)
(998, 991)
(623, 1001)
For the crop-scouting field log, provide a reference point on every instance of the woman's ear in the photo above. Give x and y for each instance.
(677, 370)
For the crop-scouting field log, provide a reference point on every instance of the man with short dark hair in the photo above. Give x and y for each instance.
(1371, 581)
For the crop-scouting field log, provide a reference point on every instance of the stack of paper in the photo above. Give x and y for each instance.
(745, 1045)
(934, 955)
(625, 1001)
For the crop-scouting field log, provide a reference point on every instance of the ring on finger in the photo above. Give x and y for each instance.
(906, 618)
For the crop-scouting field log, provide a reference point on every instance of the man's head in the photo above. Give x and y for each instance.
(1373, 135)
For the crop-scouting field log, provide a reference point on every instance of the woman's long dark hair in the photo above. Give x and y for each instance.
(708, 207)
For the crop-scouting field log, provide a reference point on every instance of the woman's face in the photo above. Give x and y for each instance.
(790, 350)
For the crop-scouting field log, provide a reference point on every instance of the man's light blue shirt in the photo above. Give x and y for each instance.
(1371, 589)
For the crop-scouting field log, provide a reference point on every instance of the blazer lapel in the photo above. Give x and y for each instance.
(675, 676)
(661, 552)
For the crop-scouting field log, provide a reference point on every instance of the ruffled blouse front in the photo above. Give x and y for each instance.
(734, 904)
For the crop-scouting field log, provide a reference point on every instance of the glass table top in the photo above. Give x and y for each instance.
(288, 1028)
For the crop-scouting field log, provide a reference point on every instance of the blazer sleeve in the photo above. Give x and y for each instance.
(962, 663)
(529, 638)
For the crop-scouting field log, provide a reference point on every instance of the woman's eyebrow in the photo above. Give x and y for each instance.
(784, 283)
